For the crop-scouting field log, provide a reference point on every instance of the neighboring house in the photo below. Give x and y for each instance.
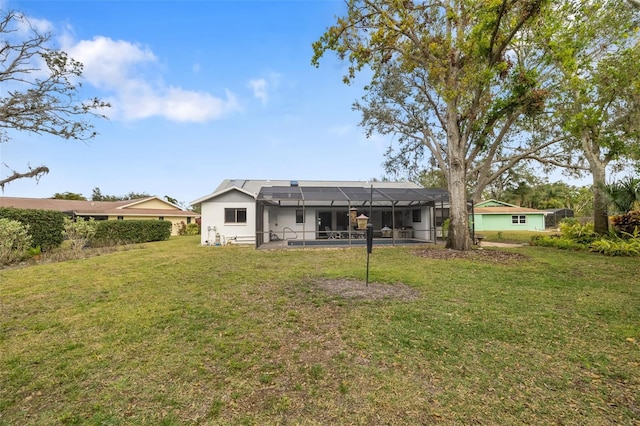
(260, 211)
(153, 208)
(493, 215)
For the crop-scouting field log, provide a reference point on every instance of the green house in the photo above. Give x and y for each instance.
(493, 215)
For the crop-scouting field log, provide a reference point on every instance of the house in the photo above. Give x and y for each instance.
(154, 208)
(493, 215)
(304, 212)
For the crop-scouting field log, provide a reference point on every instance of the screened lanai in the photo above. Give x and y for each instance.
(301, 214)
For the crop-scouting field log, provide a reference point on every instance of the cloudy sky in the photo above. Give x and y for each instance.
(200, 91)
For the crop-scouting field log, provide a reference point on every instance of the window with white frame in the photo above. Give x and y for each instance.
(299, 216)
(235, 215)
(518, 219)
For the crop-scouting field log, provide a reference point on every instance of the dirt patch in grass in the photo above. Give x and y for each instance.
(494, 256)
(355, 289)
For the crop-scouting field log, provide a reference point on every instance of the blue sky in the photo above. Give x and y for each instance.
(201, 91)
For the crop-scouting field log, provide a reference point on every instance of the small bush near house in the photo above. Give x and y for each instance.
(193, 229)
(79, 233)
(182, 228)
(14, 240)
(46, 227)
(113, 232)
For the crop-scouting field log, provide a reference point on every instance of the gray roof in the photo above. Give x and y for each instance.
(315, 192)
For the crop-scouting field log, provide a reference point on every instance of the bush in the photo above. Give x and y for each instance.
(112, 232)
(627, 223)
(182, 228)
(14, 240)
(46, 227)
(626, 245)
(193, 229)
(557, 241)
(79, 233)
(581, 234)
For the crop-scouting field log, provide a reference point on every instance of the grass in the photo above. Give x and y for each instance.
(175, 333)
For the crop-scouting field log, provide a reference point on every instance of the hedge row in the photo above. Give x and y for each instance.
(46, 227)
(111, 232)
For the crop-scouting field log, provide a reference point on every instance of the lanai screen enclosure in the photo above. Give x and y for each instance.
(326, 212)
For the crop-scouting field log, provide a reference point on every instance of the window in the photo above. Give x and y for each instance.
(417, 215)
(235, 215)
(161, 218)
(518, 219)
(299, 216)
(120, 217)
(188, 220)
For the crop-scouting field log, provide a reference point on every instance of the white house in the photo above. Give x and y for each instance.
(301, 212)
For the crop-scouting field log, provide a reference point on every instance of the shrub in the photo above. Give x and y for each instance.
(112, 232)
(45, 226)
(182, 228)
(79, 233)
(193, 229)
(581, 234)
(14, 240)
(626, 245)
(557, 241)
(627, 223)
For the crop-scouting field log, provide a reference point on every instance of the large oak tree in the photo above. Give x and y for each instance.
(453, 80)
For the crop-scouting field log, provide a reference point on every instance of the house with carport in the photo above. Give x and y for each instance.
(307, 212)
(494, 215)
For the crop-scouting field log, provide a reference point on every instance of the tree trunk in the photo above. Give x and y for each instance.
(600, 217)
(458, 237)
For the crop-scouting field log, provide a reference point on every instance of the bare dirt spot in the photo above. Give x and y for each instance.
(494, 256)
(354, 289)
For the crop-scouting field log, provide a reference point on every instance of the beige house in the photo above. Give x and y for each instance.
(150, 208)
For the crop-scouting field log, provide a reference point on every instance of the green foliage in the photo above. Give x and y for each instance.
(111, 232)
(46, 227)
(627, 223)
(96, 195)
(446, 224)
(14, 240)
(193, 229)
(79, 233)
(616, 246)
(558, 242)
(580, 234)
(68, 196)
(623, 195)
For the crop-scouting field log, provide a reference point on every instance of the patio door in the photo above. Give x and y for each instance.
(324, 221)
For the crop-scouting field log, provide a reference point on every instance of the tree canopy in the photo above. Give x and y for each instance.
(39, 89)
(452, 80)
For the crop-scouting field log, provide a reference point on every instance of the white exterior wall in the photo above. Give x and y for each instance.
(420, 229)
(213, 217)
(282, 222)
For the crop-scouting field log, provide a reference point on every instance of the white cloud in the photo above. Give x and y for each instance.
(259, 88)
(130, 73)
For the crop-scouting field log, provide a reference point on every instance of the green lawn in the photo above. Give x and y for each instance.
(176, 333)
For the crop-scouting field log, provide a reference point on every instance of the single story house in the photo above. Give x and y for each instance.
(153, 208)
(493, 215)
(303, 212)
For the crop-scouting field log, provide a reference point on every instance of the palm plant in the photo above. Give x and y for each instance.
(623, 195)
